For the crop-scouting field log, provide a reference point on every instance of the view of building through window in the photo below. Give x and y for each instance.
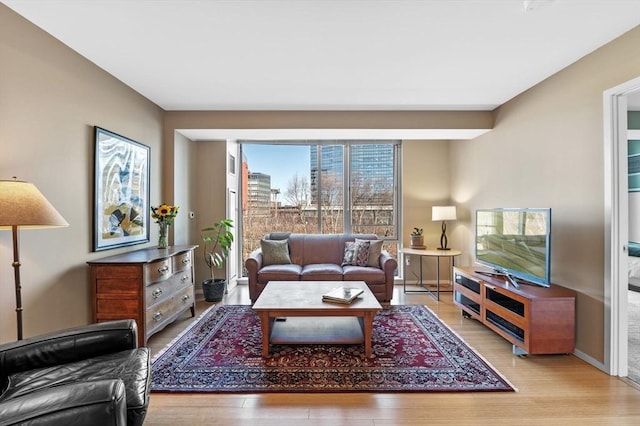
(319, 187)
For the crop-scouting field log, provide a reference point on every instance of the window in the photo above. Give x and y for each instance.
(320, 187)
(634, 165)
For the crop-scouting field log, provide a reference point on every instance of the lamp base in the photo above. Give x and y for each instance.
(443, 237)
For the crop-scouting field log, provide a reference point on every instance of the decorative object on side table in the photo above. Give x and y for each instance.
(218, 240)
(23, 206)
(443, 213)
(417, 238)
(164, 216)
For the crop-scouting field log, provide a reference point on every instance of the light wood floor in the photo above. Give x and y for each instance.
(552, 390)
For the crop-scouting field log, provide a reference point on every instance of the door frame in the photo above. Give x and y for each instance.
(616, 229)
(234, 168)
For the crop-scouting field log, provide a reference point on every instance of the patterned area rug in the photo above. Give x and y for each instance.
(413, 351)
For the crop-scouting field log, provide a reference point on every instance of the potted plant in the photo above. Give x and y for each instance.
(217, 243)
(417, 238)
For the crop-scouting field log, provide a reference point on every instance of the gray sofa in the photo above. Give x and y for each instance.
(321, 257)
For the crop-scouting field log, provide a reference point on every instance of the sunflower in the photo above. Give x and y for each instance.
(164, 213)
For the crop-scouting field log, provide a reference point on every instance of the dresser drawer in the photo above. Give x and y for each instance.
(126, 307)
(157, 271)
(159, 291)
(182, 262)
(119, 287)
(120, 273)
(182, 278)
(166, 311)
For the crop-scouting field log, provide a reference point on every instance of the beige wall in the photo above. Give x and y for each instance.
(185, 190)
(328, 120)
(426, 183)
(50, 99)
(210, 205)
(546, 150)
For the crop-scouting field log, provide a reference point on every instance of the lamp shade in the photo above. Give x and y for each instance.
(24, 206)
(443, 213)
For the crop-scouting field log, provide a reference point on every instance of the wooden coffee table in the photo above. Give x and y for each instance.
(293, 312)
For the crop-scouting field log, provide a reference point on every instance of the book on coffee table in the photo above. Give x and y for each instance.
(344, 295)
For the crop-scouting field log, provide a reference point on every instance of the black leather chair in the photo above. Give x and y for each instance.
(90, 375)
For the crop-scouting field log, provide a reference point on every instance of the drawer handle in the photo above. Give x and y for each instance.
(164, 269)
(184, 278)
(186, 261)
(186, 297)
(157, 316)
(157, 293)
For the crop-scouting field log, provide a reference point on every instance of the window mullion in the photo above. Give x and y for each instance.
(319, 189)
(346, 189)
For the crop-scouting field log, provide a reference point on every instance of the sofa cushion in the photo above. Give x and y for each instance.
(286, 272)
(375, 249)
(356, 253)
(321, 272)
(275, 252)
(364, 273)
(307, 249)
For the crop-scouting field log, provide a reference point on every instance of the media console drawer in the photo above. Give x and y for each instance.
(153, 286)
(536, 320)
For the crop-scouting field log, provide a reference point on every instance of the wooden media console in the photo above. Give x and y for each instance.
(536, 320)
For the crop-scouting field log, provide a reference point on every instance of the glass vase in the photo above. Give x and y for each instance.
(163, 239)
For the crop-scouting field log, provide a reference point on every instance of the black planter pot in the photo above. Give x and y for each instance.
(214, 289)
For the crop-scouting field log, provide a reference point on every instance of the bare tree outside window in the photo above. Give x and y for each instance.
(331, 204)
(298, 196)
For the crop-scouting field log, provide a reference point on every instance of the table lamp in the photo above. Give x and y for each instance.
(22, 206)
(443, 213)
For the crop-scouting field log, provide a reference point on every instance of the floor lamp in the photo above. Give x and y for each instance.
(443, 213)
(22, 206)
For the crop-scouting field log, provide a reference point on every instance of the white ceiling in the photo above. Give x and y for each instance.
(331, 55)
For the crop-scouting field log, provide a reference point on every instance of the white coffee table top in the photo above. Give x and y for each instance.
(307, 296)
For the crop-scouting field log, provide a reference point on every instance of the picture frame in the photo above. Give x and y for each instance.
(121, 191)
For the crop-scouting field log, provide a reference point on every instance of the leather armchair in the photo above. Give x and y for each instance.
(93, 374)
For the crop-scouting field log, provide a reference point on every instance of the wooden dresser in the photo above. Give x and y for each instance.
(153, 286)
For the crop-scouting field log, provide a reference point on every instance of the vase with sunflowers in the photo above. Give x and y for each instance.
(164, 215)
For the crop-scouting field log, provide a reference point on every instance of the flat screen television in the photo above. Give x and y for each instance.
(515, 242)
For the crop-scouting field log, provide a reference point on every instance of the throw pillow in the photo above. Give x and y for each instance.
(356, 253)
(275, 252)
(349, 253)
(375, 249)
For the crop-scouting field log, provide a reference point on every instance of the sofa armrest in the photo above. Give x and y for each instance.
(100, 402)
(389, 265)
(69, 345)
(253, 263)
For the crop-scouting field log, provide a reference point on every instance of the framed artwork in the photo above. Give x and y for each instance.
(121, 210)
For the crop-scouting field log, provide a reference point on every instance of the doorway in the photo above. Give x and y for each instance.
(633, 300)
(616, 105)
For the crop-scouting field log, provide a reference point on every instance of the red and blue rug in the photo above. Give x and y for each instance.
(413, 351)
